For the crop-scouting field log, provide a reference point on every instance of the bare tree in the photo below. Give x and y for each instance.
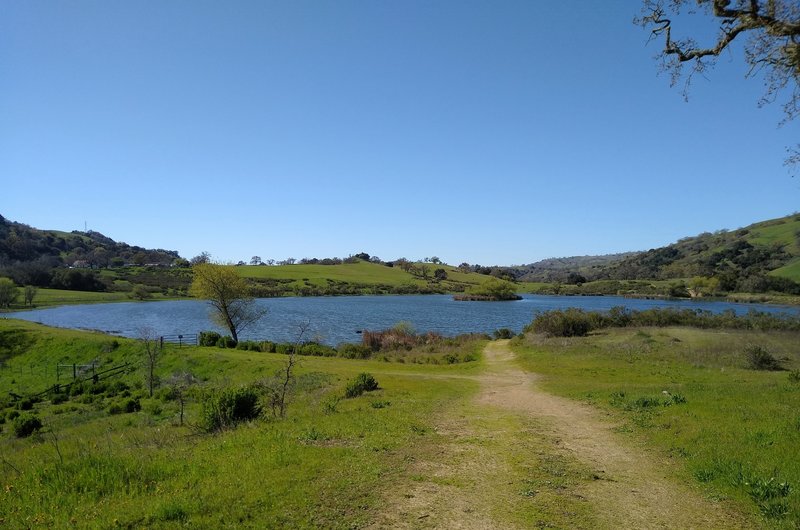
(287, 373)
(180, 383)
(152, 347)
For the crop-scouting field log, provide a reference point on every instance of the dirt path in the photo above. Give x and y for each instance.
(468, 479)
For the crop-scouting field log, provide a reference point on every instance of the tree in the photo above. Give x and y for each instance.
(203, 257)
(180, 383)
(773, 47)
(228, 294)
(140, 292)
(152, 350)
(255, 260)
(29, 294)
(8, 292)
(287, 374)
(404, 264)
(440, 274)
(435, 260)
(140, 258)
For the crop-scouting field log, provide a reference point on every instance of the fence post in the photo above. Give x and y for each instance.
(74, 371)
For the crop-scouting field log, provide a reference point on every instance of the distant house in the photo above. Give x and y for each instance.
(81, 264)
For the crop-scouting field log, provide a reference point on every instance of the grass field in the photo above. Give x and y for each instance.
(54, 297)
(690, 395)
(355, 278)
(321, 467)
(684, 395)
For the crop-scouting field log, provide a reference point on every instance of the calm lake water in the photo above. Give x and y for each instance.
(336, 319)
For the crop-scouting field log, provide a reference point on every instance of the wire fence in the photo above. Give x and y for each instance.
(64, 375)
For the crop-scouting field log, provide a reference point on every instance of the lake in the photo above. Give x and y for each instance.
(336, 319)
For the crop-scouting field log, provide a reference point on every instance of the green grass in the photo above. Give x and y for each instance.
(354, 278)
(324, 466)
(689, 394)
(361, 272)
(778, 233)
(790, 270)
(54, 297)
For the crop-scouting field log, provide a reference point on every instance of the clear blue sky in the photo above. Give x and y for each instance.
(487, 132)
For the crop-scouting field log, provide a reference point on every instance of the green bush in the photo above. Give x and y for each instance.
(503, 333)
(316, 349)
(226, 342)
(354, 351)
(209, 338)
(58, 398)
(125, 406)
(226, 408)
(25, 404)
(363, 382)
(759, 358)
(562, 323)
(26, 424)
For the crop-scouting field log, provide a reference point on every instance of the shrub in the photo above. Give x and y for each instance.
(759, 358)
(26, 424)
(354, 351)
(76, 389)
(58, 398)
(209, 338)
(561, 323)
(503, 333)
(226, 342)
(25, 404)
(316, 349)
(363, 382)
(228, 407)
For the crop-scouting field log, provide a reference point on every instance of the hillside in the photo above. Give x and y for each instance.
(746, 259)
(560, 269)
(357, 277)
(20, 243)
(760, 258)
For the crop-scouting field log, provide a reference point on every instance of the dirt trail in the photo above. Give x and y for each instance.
(633, 490)
(463, 481)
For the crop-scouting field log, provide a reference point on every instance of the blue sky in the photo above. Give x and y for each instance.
(487, 132)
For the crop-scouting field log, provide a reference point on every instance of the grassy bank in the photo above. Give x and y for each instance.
(691, 395)
(94, 466)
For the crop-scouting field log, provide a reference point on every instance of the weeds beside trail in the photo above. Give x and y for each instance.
(514, 456)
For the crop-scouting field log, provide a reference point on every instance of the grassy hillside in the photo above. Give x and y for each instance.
(361, 277)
